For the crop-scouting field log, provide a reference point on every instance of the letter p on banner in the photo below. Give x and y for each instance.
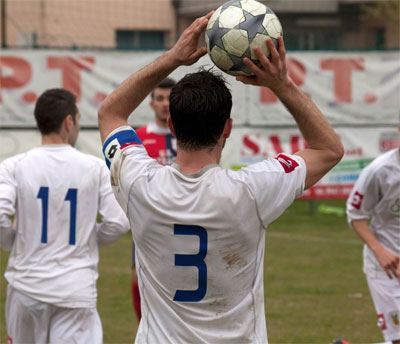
(15, 72)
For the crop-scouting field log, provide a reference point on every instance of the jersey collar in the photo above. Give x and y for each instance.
(197, 174)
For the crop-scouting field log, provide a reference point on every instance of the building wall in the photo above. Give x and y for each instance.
(310, 24)
(93, 23)
(90, 23)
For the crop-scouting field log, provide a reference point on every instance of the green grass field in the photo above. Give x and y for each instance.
(315, 290)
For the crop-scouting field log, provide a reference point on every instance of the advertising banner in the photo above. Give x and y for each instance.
(359, 92)
(350, 88)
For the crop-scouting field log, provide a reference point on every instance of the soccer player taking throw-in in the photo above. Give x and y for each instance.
(199, 229)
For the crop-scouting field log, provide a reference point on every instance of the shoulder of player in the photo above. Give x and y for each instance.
(381, 162)
(85, 159)
(282, 163)
(391, 157)
(246, 175)
(14, 160)
(91, 158)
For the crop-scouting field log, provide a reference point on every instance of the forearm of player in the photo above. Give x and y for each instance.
(114, 223)
(117, 107)
(7, 212)
(325, 148)
(7, 233)
(362, 229)
(312, 123)
(389, 261)
(107, 233)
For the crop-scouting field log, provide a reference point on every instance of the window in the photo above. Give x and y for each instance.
(313, 40)
(133, 39)
(26, 39)
(380, 38)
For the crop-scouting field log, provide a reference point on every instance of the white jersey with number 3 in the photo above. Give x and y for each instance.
(200, 241)
(56, 194)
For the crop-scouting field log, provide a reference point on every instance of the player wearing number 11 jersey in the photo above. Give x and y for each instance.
(55, 193)
(199, 229)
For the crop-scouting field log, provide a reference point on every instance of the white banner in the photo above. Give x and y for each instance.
(246, 146)
(350, 88)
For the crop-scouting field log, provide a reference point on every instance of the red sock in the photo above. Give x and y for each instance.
(136, 299)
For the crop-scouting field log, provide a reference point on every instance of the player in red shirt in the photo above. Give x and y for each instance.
(160, 145)
(156, 137)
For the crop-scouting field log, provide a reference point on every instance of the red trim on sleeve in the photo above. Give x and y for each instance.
(288, 164)
(357, 200)
(381, 322)
(130, 144)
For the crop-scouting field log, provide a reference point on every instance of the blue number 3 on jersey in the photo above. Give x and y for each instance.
(196, 260)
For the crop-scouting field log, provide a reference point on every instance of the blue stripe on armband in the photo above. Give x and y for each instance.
(120, 139)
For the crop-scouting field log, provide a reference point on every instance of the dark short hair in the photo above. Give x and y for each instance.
(51, 109)
(200, 104)
(166, 83)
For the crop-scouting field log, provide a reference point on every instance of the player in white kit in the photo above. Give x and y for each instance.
(376, 195)
(199, 229)
(55, 193)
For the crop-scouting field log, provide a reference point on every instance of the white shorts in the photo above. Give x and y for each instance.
(385, 293)
(32, 321)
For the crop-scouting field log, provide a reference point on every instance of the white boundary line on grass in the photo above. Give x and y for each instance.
(312, 238)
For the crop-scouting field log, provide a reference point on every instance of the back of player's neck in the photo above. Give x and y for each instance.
(54, 139)
(191, 162)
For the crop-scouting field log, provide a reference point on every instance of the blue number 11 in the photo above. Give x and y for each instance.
(72, 196)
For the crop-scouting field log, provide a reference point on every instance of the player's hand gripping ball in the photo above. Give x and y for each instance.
(235, 29)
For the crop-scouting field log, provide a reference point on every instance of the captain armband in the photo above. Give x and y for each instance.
(123, 138)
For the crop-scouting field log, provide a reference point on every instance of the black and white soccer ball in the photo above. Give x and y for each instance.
(235, 29)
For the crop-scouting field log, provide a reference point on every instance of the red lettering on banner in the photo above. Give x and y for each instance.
(255, 144)
(354, 151)
(342, 70)
(267, 96)
(297, 72)
(276, 143)
(386, 144)
(71, 71)
(21, 72)
(294, 144)
(250, 144)
(341, 191)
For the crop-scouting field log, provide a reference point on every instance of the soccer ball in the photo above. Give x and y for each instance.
(235, 29)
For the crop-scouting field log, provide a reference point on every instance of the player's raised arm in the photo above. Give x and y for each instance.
(325, 148)
(117, 107)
